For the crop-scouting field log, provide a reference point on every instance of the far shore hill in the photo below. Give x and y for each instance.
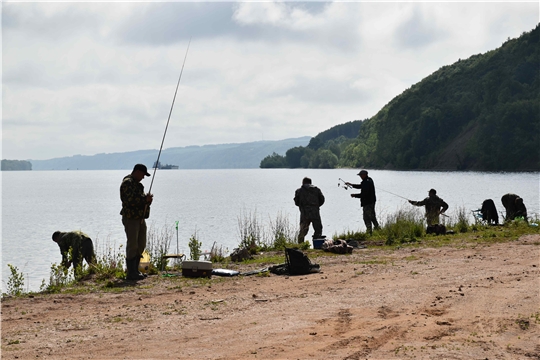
(221, 156)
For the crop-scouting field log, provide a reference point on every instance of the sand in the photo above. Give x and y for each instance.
(466, 301)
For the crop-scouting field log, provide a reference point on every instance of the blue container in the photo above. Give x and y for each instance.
(317, 243)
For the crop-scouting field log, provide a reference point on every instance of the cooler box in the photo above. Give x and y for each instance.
(317, 243)
(194, 268)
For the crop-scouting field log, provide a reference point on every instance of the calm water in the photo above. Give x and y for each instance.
(210, 202)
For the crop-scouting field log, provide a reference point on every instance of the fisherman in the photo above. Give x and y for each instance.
(489, 212)
(135, 209)
(74, 247)
(514, 207)
(367, 200)
(435, 206)
(309, 199)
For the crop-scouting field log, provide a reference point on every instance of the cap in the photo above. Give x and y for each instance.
(362, 172)
(433, 191)
(142, 168)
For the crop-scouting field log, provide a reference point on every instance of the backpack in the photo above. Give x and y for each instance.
(298, 263)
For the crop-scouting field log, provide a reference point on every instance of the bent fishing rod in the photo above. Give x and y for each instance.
(406, 199)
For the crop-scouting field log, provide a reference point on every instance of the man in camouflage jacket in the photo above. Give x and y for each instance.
(434, 207)
(135, 209)
(74, 247)
(309, 198)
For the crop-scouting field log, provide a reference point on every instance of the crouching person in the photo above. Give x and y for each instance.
(74, 247)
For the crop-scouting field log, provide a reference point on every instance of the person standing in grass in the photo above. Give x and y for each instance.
(74, 247)
(309, 199)
(435, 206)
(135, 209)
(367, 200)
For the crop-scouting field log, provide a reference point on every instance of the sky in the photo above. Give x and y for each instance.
(99, 77)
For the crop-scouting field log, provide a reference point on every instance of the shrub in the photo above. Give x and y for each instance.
(158, 244)
(251, 232)
(461, 223)
(403, 226)
(15, 284)
(283, 233)
(194, 247)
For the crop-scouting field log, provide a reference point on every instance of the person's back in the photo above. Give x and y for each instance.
(74, 247)
(509, 203)
(434, 206)
(309, 198)
(489, 212)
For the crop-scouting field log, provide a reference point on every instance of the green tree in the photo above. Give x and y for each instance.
(273, 161)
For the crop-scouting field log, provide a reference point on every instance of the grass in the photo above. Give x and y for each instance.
(404, 228)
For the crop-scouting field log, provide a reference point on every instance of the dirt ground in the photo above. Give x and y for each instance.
(473, 301)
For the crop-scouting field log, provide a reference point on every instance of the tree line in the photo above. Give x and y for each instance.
(11, 165)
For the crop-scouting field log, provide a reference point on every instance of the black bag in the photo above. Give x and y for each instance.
(298, 263)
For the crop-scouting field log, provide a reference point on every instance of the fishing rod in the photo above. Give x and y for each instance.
(166, 127)
(406, 199)
(168, 119)
(345, 186)
(393, 194)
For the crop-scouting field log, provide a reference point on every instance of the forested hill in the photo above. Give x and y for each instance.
(481, 113)
(323, 150)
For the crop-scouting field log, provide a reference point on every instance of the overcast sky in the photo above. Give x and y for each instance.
(88, 78)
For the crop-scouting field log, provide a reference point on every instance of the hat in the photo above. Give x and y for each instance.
(433, 191)
(142, 168)
(362, 172)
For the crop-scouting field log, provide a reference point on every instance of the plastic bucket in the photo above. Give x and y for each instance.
(317, 243)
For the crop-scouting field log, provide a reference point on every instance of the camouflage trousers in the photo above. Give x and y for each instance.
(304, 227)
(370, 218)
(136, 237)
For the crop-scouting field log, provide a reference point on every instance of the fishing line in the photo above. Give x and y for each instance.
(393, 194)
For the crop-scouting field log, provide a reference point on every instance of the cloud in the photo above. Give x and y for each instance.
(86, 78)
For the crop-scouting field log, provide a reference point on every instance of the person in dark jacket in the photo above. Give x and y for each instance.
(367, 200)
(74, 247)
(489, 212)
(514, 207)
(309, 199)
(135, 209)
(435, 206)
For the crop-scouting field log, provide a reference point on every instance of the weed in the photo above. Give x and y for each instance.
(283, 233)
(251, 232)
(217, 254)
(194, 247)
(158, 245)
(461, 221)
(405, 226)
(15, 284)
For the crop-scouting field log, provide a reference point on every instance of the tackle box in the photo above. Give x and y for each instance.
(194, 268)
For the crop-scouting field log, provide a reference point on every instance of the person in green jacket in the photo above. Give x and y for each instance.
(135, 209)
(74, 247)
(435, 206)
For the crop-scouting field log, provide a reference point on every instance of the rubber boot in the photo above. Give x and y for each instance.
(132, 270)
(138, 261)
